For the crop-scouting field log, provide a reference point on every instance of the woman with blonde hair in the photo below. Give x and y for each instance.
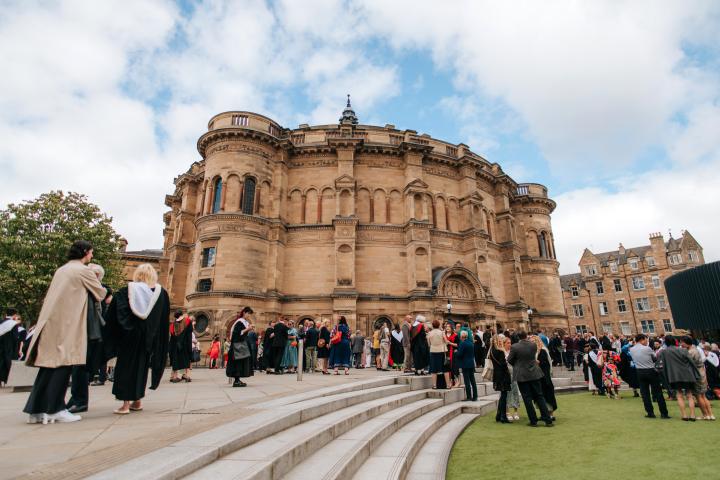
(438, 350)
(548, 389)
(323, 347)
(501, 375)
(137, 321)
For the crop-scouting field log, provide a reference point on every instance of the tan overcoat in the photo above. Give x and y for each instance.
(61, 333)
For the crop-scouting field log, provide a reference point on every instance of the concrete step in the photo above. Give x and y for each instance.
(275, 455)
(343, 456)
(431, 460)
(188, 455)
(393, 458)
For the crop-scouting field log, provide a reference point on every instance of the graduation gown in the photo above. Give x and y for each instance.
(8, 348)
(236, 367)
(420, 348)
(397, 353)
(181, 345)
(140, 344)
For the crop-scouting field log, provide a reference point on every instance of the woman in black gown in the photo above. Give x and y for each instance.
(397, 354)
(419, 346)
(181, 347)
(323, 347)
(239, 364)
(548, 389)
(137, 329)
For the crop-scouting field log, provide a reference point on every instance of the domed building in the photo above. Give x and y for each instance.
(364, 221)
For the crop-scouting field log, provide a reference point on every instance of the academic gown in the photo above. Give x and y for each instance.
(181, 347)
(139, 344)
(238, 368)
(8, 350)
(397, 353)
(420, 348)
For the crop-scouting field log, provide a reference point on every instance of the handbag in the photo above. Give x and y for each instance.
(487, 372)
(336, 338)
(321, 343)
(195, 355)
(240, 350)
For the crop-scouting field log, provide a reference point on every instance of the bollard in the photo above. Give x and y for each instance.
(301, 358)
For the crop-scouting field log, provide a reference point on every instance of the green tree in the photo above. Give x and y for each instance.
(34, 239)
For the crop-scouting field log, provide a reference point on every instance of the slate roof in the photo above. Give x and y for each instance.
(566, 280)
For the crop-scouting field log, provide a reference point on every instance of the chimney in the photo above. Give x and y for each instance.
(621, 249)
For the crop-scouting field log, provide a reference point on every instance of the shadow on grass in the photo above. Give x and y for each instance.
(593, 437)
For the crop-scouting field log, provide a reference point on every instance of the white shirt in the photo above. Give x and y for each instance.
(713, 358)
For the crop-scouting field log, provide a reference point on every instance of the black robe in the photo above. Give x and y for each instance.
(8, 351)
(267, 358)
(397, 353)
(238, 368)
(181, 346)
(548, 389)
(139, 344)
(420, 348)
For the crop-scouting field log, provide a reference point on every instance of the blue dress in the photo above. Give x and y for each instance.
(290, 354)
(340, 352)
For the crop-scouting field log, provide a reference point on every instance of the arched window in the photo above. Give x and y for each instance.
(248, 204)
(543, 245)
(217, 195)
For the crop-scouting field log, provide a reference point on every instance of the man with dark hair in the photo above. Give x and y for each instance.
(523, 359)
(649, 379)
(278, 346)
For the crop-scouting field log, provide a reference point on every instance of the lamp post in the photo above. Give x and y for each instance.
(529, 313)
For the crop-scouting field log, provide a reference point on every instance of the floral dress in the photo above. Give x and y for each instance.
(610, 375)
(290, 354)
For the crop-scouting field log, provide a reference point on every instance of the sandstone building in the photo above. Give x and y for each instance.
(623, 291)
(365, 221)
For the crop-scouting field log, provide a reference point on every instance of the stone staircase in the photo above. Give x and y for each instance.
(392, 427)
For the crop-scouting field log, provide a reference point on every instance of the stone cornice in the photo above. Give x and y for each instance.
(225, 217)
(235, 133)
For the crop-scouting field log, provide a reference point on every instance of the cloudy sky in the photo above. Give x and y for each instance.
(614, 105)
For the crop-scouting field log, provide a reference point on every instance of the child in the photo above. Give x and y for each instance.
(610, 376)
(214, 352)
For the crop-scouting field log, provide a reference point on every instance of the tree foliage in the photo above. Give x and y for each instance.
(35, 236)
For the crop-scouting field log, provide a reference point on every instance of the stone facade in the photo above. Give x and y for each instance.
(365, 221)
(623, 292)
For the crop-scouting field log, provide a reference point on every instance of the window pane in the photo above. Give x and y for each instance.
(249, 196)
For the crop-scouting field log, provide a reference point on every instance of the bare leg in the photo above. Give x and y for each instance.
(691, 403)
(681, 403)
(434, 378)
(447, 380)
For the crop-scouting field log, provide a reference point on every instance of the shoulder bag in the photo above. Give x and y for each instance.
(240, 350)
(487, 372)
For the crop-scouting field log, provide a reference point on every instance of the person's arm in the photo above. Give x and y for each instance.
(92, 284)
(512, 357)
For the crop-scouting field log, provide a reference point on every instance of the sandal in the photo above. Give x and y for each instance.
(135, 409)
(120, 411)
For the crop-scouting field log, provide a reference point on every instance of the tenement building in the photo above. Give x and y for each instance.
(623, 291)
(364, 221)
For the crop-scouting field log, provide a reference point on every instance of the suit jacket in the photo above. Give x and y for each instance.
(522, 358)
(406, 330)
(465, 355)
(281, 335)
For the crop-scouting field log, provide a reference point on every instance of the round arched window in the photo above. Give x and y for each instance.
(201, 323)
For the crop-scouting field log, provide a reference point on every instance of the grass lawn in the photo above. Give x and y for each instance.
(593, 437)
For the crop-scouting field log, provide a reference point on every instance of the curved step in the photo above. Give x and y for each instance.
(275, 455)
(188, 455)
(344, 455)
(393, 458)
(431, 461)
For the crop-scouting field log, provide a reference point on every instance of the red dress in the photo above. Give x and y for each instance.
(214, 352)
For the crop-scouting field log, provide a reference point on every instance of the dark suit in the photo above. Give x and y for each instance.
(529, 374)
(464, 358)
(278, 345)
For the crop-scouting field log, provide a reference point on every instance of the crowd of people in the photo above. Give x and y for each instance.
(687, 369)
(84, 327)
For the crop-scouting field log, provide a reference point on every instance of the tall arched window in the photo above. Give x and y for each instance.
(248, 204)
(217, 195)
(543, 245)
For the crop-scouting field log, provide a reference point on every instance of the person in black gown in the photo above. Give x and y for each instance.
(548, 389)
(240, 364)
(419, 346)
(8, 343)
(181, 332)
(137, 326)
(323, 347)
(267, 356)
(397, 354)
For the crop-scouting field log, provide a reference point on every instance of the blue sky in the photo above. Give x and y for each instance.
(615, 106)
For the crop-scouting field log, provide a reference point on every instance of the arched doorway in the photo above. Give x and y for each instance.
(382, 320)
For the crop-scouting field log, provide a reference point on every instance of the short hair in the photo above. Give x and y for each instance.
(342, 320)
(178, 313)
(436, 323)
(640, 336)
(145, 273)
(10, 312)
(420, 318)
(687, 340)
(463, 334)
(247, 310)
(97, 270)
(79, 249)
(522, 334)
(670, 341)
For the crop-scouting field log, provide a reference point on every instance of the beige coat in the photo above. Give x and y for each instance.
(61, 333)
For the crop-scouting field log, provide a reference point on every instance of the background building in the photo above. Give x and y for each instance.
(364, 221)
(623, 291)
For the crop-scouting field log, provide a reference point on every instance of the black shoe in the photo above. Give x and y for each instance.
(466, 400)
(77, 408)
(474, 399)
(665, 416)
(650, 415)
(691, 419)
(532, 424)
(97, 384)
(550, 424)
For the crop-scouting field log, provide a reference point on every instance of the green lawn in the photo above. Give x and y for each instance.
(593, 437)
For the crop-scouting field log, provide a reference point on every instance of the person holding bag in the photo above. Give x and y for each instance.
(500, 376)
(340, 351)
(239, 364)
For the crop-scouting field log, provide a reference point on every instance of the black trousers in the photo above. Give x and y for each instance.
(79, 390)
(502, 407)
(569, 360)
(470, 384)
(357, 359)
(532, 391)
(277, 357)
(102, 372)
(649, 381)
(49, 389)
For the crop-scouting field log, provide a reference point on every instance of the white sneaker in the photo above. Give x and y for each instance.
(516, 417)
(63, 416)
(36, 418)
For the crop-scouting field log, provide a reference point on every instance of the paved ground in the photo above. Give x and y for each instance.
(172, 412)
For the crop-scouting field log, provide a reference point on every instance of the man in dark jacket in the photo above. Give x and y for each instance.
(268, 361)
(279, 342)
(464, 358)
(528, 373)
(311, 339)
